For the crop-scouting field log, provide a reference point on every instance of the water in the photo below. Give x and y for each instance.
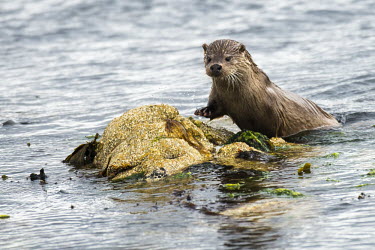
(68, 67)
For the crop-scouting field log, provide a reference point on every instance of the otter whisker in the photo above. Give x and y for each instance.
(234, 82)
(229, 80)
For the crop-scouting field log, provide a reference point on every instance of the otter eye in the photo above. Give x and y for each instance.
(228, 58)
(208, 59)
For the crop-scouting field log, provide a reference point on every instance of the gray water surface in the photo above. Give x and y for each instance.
(69, 67)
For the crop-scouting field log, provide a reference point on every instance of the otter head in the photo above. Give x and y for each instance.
(223, 58)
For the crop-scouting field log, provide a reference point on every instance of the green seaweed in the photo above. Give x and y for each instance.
(235, 186)
(372, 172)
(4, 216)
(333, 155)
(182, 175)
(261, 176)
(286, 192)
(4, 177)
(364, 185)
(197, 123)
(231, 195)
(333, 180)
(306, 168)
(253, 139)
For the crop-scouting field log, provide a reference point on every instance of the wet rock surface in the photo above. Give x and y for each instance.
(155, 141)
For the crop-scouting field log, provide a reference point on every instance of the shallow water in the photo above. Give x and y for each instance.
(68, 67)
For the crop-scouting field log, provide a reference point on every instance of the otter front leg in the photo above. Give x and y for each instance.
(205, 112)
(212, 111)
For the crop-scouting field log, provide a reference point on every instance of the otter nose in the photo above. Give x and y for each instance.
(216, 68)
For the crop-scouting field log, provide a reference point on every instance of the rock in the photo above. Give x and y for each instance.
(84, 154)
(253, 139)
(155, 141)
(217, 136)
(231, 151)
(41, 176)
(230, 155)
(266, 208)
(150, 138)
(277, 142)
(9, 123)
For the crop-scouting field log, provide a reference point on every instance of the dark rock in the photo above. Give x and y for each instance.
(41, 176)
(9, 123)
(361, 196)
(158, 173)
(256, 156)
(84, 154)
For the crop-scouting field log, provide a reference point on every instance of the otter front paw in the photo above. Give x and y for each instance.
(205, 112)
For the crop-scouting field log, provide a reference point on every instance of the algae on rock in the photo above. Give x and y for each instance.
(253, 139)
(217, 136)
(155, 141)
(228, 155)
(149, 138)
(285, 192)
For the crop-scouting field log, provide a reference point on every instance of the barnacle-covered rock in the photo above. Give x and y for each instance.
(149, 139)
(154, 141)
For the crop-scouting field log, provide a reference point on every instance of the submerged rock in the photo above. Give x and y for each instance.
(266, 208)
(241, 155)
(285, 192)
(9, 123)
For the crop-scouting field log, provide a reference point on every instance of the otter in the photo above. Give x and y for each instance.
(244, 92)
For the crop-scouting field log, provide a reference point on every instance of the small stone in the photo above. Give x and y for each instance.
(361, 196)
(41, 176)
(9, 123)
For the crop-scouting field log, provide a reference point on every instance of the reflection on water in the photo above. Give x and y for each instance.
(68, 67)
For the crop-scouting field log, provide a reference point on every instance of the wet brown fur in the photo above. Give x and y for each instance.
(245, 93)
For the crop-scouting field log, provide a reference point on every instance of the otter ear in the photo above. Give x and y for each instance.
(242, 48)
(204, 46)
